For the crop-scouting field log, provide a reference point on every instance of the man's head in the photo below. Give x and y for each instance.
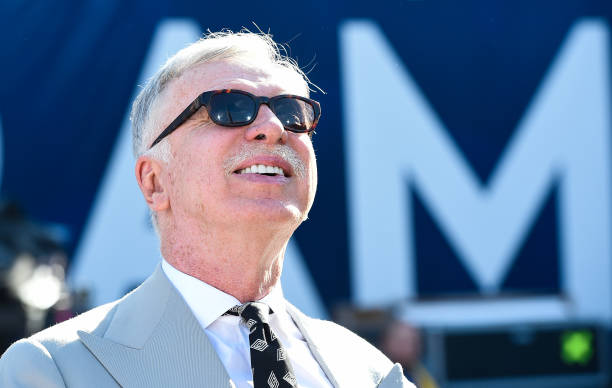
(197, 177)
(244, 47)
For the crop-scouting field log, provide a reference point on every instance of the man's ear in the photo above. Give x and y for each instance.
(151, 183)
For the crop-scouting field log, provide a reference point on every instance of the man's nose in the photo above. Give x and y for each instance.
(266, 127)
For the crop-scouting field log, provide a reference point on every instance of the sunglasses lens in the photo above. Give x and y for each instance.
(236, 109)
(232, 109)
(296, 115)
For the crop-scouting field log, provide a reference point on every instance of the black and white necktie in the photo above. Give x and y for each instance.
(269, 363)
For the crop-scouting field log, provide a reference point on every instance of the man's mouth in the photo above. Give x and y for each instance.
(262, 169)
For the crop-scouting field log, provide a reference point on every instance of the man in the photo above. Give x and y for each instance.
(225, 162)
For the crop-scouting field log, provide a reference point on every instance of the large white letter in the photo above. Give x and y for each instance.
(563, 137)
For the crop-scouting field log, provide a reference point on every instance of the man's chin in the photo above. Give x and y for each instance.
(273, 211)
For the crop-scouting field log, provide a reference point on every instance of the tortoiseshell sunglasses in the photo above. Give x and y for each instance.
(235, 108)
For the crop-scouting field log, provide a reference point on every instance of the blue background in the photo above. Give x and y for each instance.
(68, 70)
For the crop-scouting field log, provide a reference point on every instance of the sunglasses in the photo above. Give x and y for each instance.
(236, 108)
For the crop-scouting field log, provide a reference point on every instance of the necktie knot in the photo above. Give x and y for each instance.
(257, 311)
(252, 312)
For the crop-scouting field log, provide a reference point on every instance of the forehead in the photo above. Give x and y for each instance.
(265, 80)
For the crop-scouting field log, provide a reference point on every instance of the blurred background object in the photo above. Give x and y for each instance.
(33, 290)
(531, 356)
(464, 170)
(402, 343)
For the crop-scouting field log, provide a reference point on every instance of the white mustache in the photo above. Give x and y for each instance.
(282, 151)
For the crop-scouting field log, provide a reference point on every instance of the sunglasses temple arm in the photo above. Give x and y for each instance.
(187, 113)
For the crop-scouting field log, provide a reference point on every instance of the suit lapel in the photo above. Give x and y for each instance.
(154, 340)
(326, 361)
(335, 356)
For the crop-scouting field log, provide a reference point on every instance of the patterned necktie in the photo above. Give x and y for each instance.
(269, 363)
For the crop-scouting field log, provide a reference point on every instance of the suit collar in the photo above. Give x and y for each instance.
(151, 321)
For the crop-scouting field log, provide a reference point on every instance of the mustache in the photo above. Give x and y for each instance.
(282, 151)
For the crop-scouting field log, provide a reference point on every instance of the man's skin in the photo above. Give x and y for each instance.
(229, 230)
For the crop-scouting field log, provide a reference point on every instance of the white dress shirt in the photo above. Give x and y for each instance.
(231, 339)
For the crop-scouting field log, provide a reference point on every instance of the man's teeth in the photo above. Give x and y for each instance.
(262, 169)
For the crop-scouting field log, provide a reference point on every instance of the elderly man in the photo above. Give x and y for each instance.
(225, 162)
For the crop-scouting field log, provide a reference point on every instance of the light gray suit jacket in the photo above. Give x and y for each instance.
(150, 338)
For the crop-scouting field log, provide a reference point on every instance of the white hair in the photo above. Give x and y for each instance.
(243, 46)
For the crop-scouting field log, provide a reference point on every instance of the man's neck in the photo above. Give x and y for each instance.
(246, 264)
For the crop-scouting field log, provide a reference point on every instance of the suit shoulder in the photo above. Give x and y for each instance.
(332, 338)
(348, 358)
(64, 334)
(340, 335)
(39, 359)
(27, 363)
(367, 363)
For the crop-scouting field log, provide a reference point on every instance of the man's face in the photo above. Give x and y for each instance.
(205, 176)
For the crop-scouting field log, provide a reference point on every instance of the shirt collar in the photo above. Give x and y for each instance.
(207, 302)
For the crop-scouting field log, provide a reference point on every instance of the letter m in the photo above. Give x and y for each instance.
(396, 142)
